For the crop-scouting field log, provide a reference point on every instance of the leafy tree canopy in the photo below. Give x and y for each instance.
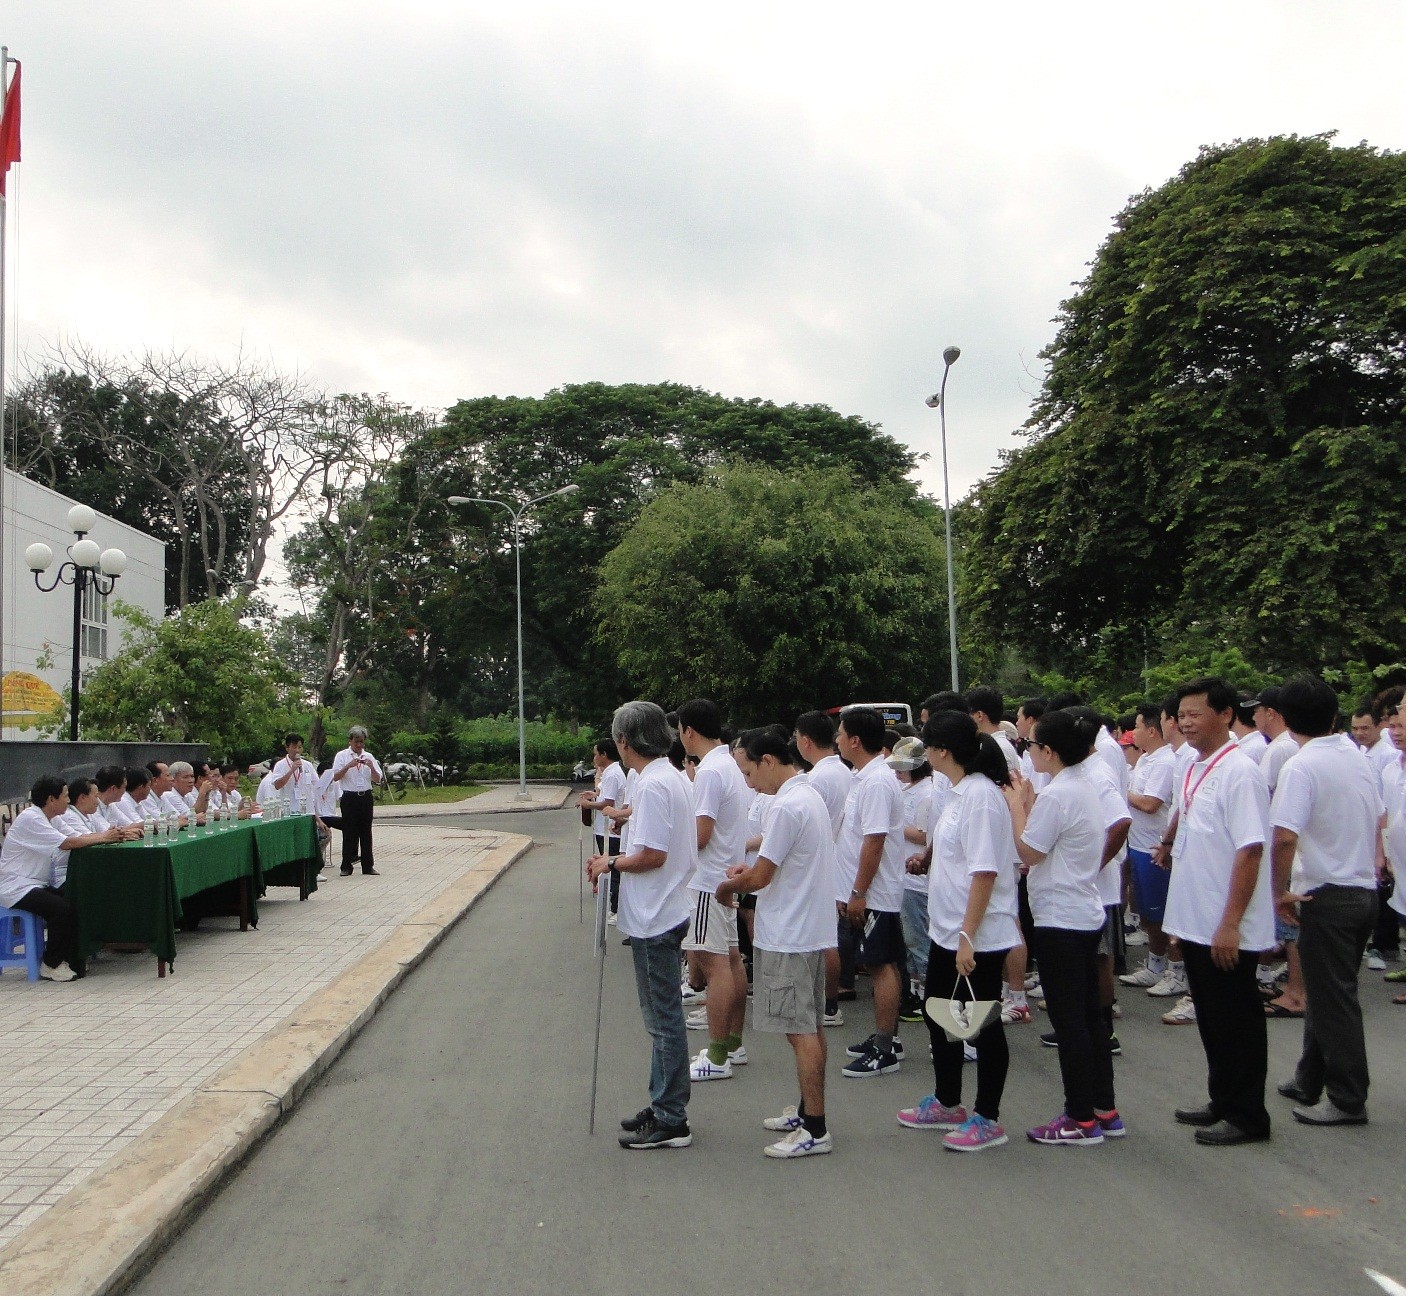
(197, 676)
(773, 592)
(1216, 458)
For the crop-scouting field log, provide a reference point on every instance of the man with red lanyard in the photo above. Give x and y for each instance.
(295, 778)
(1219, 906)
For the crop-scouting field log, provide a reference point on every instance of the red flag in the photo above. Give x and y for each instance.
(10, 129)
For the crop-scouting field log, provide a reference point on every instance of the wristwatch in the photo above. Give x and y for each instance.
(857, 893)
(611, 863)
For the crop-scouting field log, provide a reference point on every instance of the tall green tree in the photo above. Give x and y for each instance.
(1216, 457)
(197, 676)
(773, 592)
(446, 587)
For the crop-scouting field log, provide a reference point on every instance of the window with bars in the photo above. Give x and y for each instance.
(94, 641)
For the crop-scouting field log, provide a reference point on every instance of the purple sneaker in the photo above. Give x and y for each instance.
(1065, 1132)
(976, 1135)
(931, 1115)
(1111, 1125)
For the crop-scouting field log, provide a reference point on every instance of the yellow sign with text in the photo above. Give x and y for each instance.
(27, 698)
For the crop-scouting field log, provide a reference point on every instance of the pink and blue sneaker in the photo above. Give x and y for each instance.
(1066, 1132)
(930, 1114)
(1111, 1125)
(976, 1134)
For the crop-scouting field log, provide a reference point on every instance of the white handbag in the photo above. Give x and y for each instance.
(962, 1021)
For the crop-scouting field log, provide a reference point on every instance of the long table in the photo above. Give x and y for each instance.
(140, 891)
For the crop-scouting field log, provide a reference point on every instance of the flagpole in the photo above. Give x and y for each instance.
(4, 549)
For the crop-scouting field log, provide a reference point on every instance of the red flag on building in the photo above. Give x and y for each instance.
(10, 129)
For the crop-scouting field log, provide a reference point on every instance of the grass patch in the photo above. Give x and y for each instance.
(434, 794)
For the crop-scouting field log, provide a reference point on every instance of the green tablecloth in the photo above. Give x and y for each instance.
(132, 892)
(288, 852)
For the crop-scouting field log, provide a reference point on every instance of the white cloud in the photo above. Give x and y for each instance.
(797, 202)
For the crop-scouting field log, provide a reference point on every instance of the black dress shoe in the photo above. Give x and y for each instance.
(1226, 1134)
(370, 871)
(346, 871)
(1198, 1116)
(1292, 1091)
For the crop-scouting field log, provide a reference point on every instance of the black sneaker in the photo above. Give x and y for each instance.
(638, 1121)
(912, 1012)
(872, 1065)
(857, 1050)
(1048, 1039)
(655, 1134)
(1115, 1048)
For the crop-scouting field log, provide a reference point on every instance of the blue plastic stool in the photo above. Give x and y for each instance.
(21, 927)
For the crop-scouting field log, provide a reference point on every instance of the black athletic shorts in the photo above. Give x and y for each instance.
(882, 941)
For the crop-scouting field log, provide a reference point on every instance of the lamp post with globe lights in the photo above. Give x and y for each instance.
(937, 399)
(517, 517)
(86, 566)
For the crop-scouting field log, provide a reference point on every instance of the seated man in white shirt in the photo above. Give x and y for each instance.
(230, 782)
(28, 860)
(112, 785)
(180, 799)
(81, 817)
(137, 803)
(266, 790)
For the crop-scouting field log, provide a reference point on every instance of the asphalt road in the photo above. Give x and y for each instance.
(447, 1152)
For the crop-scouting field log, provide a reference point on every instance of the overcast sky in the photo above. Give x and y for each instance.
(798, 202)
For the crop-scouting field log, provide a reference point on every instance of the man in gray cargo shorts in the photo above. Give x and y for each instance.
(794, 879)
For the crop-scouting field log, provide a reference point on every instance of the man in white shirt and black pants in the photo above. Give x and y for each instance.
(1326, 810)
(356, 771)
(1219, 907)
(654, 914)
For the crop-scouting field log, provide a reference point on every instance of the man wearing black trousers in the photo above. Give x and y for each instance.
(1219, 906)
(357, 771)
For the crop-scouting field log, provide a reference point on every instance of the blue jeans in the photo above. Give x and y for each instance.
(657, 963)
(914, 917)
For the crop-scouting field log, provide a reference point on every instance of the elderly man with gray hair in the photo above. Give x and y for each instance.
(356, 771)
(653, 914)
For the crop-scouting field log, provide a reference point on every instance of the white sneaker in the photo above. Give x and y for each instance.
(1012, 1014)
(1183, 1013)
(1171, 985)
(833, 1019)
(60, 974)
(970, 1053)
(1033, 981)
(1035, 994)
(1136, 940)
(702, 1069)
(1115, 1012)
(697, 1019)
(789, 1121)
(1374, 960)
(799, 1143)
(1143, 978)
(739, 1056)
(611, 918)
(322, 879)
(691, 996)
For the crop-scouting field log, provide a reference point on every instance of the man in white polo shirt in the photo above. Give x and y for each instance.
(1327, 810)
(356, 771)
(793, 927)
(814, 735)
(1219, 907)
(870, 881)
(1150, 796)
(33, 849)
(295, 777)
(721, 802)
(654, 914)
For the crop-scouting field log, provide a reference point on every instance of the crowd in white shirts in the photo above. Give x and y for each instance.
(976, 869)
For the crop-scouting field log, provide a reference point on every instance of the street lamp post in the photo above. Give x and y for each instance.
(517, 517)
(86, 566)
(937, 399)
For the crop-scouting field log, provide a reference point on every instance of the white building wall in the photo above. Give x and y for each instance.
(30, 618)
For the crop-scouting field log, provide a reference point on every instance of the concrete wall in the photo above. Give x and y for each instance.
(29, 618)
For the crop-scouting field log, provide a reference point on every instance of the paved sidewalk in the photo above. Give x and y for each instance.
(499, 799)
(90, 1066)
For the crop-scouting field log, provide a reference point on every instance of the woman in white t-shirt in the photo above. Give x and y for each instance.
(916, 777)
(972, 926)
(1060, 836)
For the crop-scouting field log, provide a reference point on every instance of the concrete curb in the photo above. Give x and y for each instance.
(105, 1231)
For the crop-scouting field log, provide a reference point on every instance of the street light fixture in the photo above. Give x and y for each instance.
(937, 399)
(517, 517)
(82, 569)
